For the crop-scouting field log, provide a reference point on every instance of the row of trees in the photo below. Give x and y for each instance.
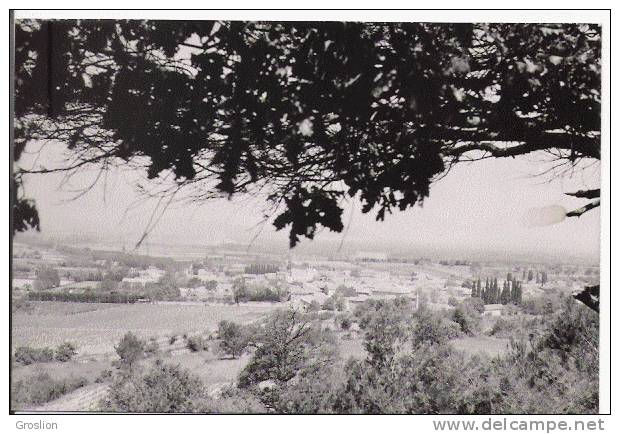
(261, 269)
(84, 297)
(242, 292)
(511, 292)
(540, 277)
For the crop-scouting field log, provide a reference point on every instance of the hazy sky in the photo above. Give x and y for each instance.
(479, 205)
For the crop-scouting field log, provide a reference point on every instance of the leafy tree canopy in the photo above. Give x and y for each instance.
(306, 113)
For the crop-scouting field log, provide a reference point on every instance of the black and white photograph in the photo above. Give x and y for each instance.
(317, 215)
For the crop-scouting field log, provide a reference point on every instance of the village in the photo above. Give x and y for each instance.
(306, 282)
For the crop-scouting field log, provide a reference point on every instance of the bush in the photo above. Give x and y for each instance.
(65, 352)
(197, 343)
(29, 355)
(41, 388)
(431, 329)
(345, 323)
(541, 305)
(474, 303)
(466, 321)
(502, 328)
(163, 389)
(103, 376)
(334, 302)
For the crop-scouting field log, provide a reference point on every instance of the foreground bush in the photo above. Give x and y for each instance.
(29, 355)
(162, 389)
(41, 388)
(166, 388)
(411, 367)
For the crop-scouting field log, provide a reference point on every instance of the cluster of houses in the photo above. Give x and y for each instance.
(306, 284)
(140, 278)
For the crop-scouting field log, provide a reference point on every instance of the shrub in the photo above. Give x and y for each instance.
(430, 328)
(464, 319)
(334, 302)
(104, 375)
(41, 388)
(29, 355)
(197, 343)
(474, 303)
(65, 352)
(501, 327)
(163, 389)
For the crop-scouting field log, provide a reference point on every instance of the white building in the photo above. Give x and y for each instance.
(493, 309)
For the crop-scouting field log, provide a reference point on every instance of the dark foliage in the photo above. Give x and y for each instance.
(65, 352)
(29, 355)
(162, 389)
(233, 337)
(307, 112)
(83, 297)
(197, 343)
(42, 388)
(130, 350)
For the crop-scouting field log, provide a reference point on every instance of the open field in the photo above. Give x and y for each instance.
(212, 369)
(95, 328)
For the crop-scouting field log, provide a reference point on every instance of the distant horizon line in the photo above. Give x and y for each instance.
(317, 248)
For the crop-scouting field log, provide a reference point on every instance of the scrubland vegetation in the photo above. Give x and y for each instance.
(408, 365)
